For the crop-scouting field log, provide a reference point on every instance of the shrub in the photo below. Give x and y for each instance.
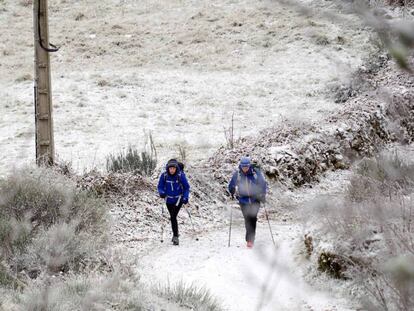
(115, 291)
(372, 226)
(47, 223)
(229, 134)
(82, 293)
(131, 161)
(385, 174)
(183, 152)
(191, 296)
(332, 264)
(57, 248)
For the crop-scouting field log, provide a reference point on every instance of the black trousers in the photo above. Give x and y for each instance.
(174, 210)
(250, 212)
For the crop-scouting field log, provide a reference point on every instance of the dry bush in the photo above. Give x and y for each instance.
(46, 223)
(95, 292)
(191, 296)
(373, 230)
(58, 249)
(115, 291)
(229, 134)
(386, 175)
(183, 153)
(400, 2)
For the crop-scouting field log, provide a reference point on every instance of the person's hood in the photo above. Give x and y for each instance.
(245, 162)
(172, 163)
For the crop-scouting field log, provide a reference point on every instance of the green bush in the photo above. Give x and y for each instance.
(131, 161)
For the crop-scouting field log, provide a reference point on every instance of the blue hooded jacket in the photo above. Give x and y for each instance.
(251, 187)
(174, 187)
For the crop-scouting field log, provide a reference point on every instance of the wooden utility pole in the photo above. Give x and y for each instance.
(45, 149)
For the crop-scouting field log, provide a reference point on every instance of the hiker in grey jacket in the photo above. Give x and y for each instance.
(249, 186)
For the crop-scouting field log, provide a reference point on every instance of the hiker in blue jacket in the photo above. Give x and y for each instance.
(174, 188)
(249, 186)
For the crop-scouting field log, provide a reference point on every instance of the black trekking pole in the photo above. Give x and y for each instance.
(191, 220)
(268, 222)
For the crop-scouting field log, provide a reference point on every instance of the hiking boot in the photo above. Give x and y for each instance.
(249, 244)
(175, 240)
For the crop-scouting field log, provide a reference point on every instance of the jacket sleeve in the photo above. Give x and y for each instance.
(232, 184)
(186, 186)
(161, 185)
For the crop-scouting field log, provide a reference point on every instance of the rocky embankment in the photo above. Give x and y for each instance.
(296, 154)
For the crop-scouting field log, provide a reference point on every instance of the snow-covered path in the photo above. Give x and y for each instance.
(236, 275)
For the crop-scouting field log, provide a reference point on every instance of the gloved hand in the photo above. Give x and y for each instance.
(184, 200)
(162, 195)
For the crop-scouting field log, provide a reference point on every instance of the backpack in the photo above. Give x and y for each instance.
(255, 169)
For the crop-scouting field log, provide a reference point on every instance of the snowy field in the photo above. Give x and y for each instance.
(178, 68)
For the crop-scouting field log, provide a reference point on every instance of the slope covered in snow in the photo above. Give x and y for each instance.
(177, 68)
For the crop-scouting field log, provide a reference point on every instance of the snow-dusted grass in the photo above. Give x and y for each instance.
(87, 292)
(178, 68)
(189, 296)
(113, 291)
